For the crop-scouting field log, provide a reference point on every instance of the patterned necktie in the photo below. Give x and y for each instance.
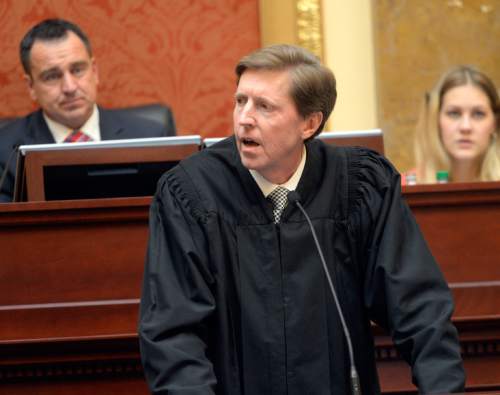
(279, 199)
(77, 136)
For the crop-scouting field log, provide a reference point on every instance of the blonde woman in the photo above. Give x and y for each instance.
(458, 129)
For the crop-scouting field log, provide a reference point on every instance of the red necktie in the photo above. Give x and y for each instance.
(77, 136)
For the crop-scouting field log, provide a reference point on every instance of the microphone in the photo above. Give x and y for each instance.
(294, 198)
(7, 163)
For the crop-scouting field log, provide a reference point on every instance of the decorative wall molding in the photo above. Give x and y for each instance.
(309, 29)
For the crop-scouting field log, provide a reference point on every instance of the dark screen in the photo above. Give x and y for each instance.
(67, 182)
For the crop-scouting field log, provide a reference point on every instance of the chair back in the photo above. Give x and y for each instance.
(155, 112)
(5, 121)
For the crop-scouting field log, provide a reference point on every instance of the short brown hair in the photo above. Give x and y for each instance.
(313, 85)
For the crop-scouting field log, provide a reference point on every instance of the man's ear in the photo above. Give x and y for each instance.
(312, 123)
(29, 83)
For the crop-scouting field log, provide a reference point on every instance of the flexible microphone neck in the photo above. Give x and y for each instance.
(15, 147)
(294, 198)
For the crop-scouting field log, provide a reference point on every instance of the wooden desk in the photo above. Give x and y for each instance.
(70, 278)
(461, 223)
(71, 272)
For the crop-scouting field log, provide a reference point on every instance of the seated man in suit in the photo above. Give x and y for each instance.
(62, 78)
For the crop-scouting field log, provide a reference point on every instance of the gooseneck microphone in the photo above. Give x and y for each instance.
(294, 198)
(15, 147)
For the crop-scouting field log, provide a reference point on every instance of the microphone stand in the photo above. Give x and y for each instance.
(294, 197)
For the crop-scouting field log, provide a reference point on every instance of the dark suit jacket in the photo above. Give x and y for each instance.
(32, 129)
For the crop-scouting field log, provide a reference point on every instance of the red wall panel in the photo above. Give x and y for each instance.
(180, 52)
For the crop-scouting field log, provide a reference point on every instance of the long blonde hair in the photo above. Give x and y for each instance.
(430, 155)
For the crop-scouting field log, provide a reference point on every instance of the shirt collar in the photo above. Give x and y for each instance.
(267, 187)
(90, 128)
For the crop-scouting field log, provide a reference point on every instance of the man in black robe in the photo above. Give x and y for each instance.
(235, 299)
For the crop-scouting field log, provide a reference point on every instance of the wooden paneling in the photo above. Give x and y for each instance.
(70, 278)
(69, 312)
(461, 223)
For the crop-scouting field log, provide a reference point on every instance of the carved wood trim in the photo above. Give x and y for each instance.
(309, 29)
(71, 370)
(469, 349)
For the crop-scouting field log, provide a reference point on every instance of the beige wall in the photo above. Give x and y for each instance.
(347, 41)
(386, 54)
(277, 22)
(348, 51)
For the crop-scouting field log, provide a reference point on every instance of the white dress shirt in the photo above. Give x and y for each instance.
(90, 128)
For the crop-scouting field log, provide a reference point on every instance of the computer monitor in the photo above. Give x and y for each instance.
(103, 169)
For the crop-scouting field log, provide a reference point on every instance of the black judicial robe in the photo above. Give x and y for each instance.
(234, 304)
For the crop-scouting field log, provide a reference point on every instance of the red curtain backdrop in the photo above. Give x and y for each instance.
(179, 52)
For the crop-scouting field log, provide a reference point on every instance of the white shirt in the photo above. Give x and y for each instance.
(90, 128)
(267, 187)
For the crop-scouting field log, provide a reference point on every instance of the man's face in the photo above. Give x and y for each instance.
(63, 80)
(268, 129)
